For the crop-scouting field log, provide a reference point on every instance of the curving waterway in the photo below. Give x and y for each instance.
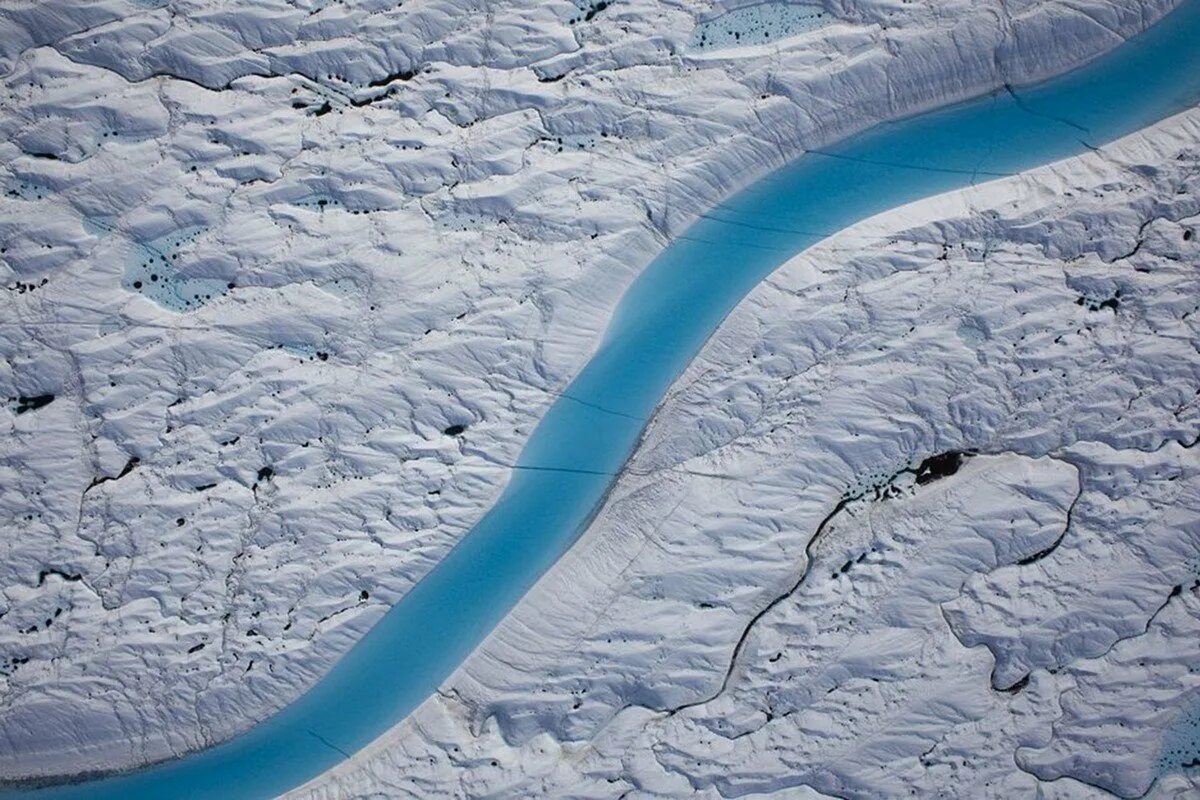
(670, 310)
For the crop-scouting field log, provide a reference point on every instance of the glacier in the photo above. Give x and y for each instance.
(389, 234)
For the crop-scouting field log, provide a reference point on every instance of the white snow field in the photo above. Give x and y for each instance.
(922, 519)
(260, 257)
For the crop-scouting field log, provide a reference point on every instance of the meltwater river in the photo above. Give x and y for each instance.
(660, 324)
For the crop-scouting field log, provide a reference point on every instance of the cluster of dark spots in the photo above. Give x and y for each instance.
(590, 13)
(21, 287)
(48, 622)
(941, 465)
(9, 665)
(1091, 304)
(33, 402)
(454, 430)
(850, 563)
(14, 193)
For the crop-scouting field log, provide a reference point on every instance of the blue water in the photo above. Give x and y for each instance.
(659, 326)
(1181, 743)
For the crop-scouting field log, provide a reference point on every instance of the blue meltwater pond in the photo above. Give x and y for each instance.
(664, 319)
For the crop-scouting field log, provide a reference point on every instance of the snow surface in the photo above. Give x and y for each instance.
(259, 257)
(921, 519)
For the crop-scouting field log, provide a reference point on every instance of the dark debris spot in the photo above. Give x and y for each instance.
(454, 430)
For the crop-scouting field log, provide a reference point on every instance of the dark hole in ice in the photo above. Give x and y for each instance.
(596, 9)
(33, 403)
(454, 430)
(1095, 305)
(265, 474)
(364, 595)
(403, 75)
(940, 466)
(196, 648)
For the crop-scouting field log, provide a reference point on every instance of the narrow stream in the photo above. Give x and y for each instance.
(666, 316)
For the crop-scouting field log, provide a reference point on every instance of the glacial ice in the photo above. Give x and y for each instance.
(773, 599)
(495, 174)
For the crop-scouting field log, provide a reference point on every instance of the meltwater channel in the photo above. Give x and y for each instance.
(659, 326)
